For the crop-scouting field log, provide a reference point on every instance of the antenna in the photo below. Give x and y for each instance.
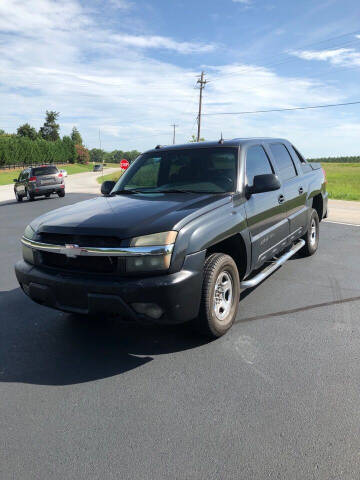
(221, 141)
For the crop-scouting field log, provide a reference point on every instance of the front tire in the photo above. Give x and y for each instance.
(18, 197)
(312, 235)
(220, 295)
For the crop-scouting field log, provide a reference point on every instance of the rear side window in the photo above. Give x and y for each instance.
(283, 161)
(37, 172)
(257, 163)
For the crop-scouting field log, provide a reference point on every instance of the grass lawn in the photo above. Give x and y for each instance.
(112, 176)
(7, 176)
(343, 180)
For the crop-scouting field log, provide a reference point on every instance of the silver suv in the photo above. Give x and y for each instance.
(39, 181)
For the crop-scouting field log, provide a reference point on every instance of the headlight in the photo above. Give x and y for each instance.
(155, 239)
(151, 263)
(29, 233)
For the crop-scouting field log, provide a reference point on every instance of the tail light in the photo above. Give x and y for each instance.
(324, 173)
(60, 175)
(32, 179)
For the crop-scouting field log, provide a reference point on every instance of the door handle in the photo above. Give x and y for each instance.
(281, 199)
(301, 190)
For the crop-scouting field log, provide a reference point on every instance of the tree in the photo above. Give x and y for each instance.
(50, 130)
(76, 137)
(96, 155)
(82, 154)
(194, 139)
(2, 132)
(70, 150)
(27, 130)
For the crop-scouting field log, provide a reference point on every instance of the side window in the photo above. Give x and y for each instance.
(257, 163)
(304, 165)
(283, 161)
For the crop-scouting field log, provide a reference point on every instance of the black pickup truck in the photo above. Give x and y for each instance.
(179, 235)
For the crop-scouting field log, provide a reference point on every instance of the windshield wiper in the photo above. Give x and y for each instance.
(129, 191)
(179, 190)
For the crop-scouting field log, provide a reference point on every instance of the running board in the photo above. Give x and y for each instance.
(271, 268)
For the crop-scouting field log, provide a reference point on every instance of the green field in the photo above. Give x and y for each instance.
(7, 176)
(343, 180)
(112, 176)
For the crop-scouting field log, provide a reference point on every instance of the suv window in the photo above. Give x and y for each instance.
(283, 161)
(44, 171)
(257, 163)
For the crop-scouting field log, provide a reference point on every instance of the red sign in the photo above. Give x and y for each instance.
(124, 164)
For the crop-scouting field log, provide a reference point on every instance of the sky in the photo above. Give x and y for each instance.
(128, 68)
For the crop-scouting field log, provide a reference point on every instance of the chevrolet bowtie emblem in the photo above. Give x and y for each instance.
(71, 250)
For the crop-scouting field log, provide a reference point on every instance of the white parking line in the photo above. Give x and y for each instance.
(342, 223)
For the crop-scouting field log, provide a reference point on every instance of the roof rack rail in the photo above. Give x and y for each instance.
(157, 147)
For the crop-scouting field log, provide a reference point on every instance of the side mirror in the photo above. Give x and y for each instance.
(265, 183)
(107, 186)
(15, 180)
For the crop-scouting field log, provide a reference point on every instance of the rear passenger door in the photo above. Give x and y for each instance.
(266, 216)
(294, 188)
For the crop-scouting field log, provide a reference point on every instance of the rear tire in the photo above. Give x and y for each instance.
(61, 193)
(29, 196)
(47, 195)
(220, 296)
(18, 197)
(312, 235)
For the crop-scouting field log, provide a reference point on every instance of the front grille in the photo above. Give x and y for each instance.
(83, 264)
(81, 240)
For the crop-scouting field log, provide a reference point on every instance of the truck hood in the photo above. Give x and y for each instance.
(129, 215)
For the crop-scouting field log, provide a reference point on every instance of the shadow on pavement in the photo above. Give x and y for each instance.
(45, 347)
(54, 200)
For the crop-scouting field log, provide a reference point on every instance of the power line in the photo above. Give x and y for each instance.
(285, 109)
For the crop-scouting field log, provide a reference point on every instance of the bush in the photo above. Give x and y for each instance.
(82, 154)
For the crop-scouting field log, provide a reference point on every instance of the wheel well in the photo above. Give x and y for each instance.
(318, 205)
(234, 247)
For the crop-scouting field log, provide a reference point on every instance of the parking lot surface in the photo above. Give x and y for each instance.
(277, 397)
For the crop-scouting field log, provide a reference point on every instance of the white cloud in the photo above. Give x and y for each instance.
(163, 42)
(121, 4)
(246, 2)
(62, 59)
(339, 56)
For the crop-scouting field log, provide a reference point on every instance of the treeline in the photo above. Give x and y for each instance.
(16, 150)
(30, 147)
(99, 156)
(354, 159)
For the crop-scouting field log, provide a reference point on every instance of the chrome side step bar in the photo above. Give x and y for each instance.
(271, 268)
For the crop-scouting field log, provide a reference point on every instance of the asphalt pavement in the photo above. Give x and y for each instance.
(276, 398)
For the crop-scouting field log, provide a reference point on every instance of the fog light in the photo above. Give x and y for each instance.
(28, 254)
(150, 309)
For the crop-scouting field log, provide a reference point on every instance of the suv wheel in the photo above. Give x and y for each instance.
(312, 235)
(220, 295)
(61, 193)
(18, 197)
(29, 196)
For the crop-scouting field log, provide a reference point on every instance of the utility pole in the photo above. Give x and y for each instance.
(102, 169)
(174, 127)
(202, 84)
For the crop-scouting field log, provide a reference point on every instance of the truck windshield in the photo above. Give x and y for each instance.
(200, 170)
